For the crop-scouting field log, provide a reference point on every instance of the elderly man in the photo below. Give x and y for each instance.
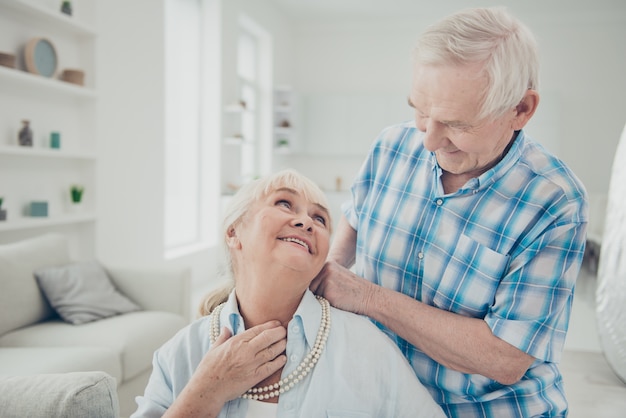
(467, 235)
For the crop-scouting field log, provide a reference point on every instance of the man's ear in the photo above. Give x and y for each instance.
(525, 109)
(231, 238)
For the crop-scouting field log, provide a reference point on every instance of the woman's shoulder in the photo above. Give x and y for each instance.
(194, 334)
(356, 329)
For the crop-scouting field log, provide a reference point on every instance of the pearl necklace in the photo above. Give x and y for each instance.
(303, 369)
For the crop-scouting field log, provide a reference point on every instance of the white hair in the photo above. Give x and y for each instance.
(239, 205)
(491, 36)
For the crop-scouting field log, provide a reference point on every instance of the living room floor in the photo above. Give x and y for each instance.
(593, 389)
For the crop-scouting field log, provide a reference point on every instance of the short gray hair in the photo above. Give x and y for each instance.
(494, 37)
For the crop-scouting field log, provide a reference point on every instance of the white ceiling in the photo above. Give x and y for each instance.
(337, 10)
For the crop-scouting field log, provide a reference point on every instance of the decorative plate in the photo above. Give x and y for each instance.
(40, 57)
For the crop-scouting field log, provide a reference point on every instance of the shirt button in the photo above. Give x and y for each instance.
(293, 357)
(439, 202)
(420, 255)
(295, 328)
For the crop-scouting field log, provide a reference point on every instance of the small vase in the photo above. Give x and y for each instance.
(3, 215)
(26, 134)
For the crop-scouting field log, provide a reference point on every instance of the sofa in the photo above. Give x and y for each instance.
(36, 337)
(67, 395)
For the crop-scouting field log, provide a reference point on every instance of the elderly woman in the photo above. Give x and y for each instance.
(273, 349)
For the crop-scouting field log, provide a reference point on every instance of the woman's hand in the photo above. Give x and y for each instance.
(232, 366)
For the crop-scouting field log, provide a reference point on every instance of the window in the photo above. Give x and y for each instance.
(254, 56)
(191, 125)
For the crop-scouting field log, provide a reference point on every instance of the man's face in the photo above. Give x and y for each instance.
(446, 101)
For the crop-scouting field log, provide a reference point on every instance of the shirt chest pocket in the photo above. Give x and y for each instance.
(470, 279)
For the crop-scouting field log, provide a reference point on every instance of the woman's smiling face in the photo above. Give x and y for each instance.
(284, 228)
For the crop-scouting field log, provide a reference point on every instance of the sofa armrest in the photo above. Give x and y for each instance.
(155, 289)
(78, 394)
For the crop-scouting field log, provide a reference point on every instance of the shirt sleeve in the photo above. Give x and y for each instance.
(534, 300)
(158, 394)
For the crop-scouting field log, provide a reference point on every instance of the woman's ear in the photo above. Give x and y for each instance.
(525, 109)
(231, 238)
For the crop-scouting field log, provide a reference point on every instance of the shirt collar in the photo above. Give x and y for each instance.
(308, 315)
(496, 172)
(508, 161)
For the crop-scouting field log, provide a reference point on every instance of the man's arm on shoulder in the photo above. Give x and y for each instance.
(458, 342)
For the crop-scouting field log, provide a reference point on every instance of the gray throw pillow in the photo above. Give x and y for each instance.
(82, 292)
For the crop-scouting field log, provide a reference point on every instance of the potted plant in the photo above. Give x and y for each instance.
(66, 7)
(3, 212)
(76, 193)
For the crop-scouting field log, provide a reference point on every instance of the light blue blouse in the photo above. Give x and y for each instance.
(361, 372)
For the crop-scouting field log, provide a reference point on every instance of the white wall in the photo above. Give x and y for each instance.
(581, 47)
(131, 79)
(582, 69)
(131, 131)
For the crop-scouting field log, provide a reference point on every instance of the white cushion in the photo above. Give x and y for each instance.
(21, 301)
(36, 360)
(133, 336)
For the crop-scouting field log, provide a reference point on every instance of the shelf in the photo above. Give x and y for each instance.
(49, 16)
(235, 108)
(13, 76)
(44, 153)
(30, 223)
(282, 130)
(283, 150)
(235, 141)
(53, 105)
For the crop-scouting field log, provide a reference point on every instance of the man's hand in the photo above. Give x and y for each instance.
(343, 289)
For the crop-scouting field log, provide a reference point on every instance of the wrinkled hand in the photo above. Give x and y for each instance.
(232, 366)
(343, 289)
(238, 363)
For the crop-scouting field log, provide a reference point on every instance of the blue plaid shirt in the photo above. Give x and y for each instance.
(506, 248)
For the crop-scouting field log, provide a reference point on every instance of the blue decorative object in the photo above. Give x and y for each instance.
(55, 140)
(40, 57)
(38, 209)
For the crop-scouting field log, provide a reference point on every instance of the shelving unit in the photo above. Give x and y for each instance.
(32, 223)
(233, 124)
(283, 109)
(40, 14)
(39, 172)
(29, 152)
(21, 79)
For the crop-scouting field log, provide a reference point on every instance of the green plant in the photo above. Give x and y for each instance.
(1, 200)
(76, 192)
(66, 7)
